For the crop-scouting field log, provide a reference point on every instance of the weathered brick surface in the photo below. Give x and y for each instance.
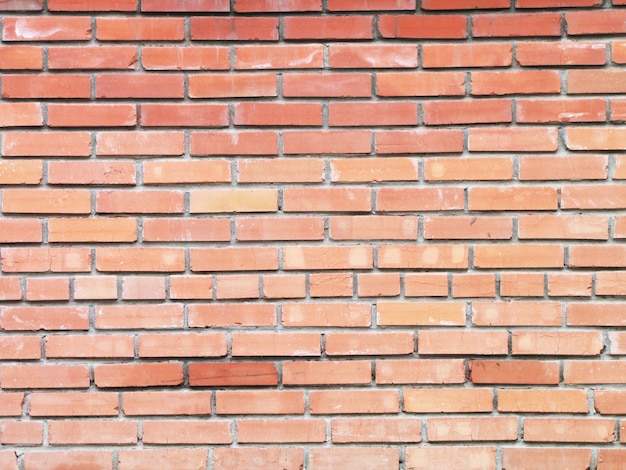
(312, 234)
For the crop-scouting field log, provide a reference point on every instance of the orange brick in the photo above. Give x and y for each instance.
(166, 403)
(426, 285)
(140, 259)
(463, 5)
(73, 404)
(21, 433)
(460, 228)
(518, 256)
(354, 401)
(327, 372)
(324, 314)
(186, 432)
(402, 199)
(21, 231)
(556, 343)
(586, 227)
(591, 138)
(327, 142)
(422, 371)
(93, 459)
(95, 287)
(419, 141)
(378, 284)
(605, 196)
(280, 170)
(259, 402)
(47, 144)
(277, 114)
(231, 314)
(327, 257)
(246, 6)
(423, 257)
(569, 430)
(351, 170)
(21, 172)
(514, 372)
(91, 173)
(587, 256)
(191, 458)
(133, 143)
(138, 375)
(517, 313)
(268, 457)
(472, 429)
(284, 286)
(553, 457)
(74, 432)
(188, 115)
(370, 344)
(46, 86)
(283, 228)
(420, 84)
(473, 285)
(70, 259)
(570, 285)
(366, 458)
(48, 201)
(522, 284)
(448, 400)
(515, 82)
(331, 284)
(543, 400)
(185, 6)
(251, 431)
(349, 430)
(275, 344)
(139, 86)
(48, 289)
(467, 112)
(234, 259)
(519, 139)
(20, 114)
(45, 376)
(594, 372)
(470, 458)
(92, 346)
(182, 345)
(462, 342)
(571, 110)
(19, 347)
(421, 313)
(142, 316)
(595, 81)
(184, 58)
(563, 168)
(162, 229)
(233, 200)
(100, 229)
(610, 283)
(26, 318)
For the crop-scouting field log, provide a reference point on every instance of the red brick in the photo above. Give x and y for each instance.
(365, 458)
(549, 111)
(232, 85)
(464, 4)
(327, 372)
(373, 227)
(459, 228)
(44, 376)
(569, 430)
(101, 229)
(526, 458)
(571, 285)
(143, 288)
(560, 53)
(326, 85)
(473, 285)
(422, 26)
(595, 81)
(166, 403)
(609, 401)
(514, 372)
(185, 58)
(188, 115)
(71, 459)
(264, 6)
(286, 228)
(21, 433)
(558, 343)
(277, 114)
(142, 316)
(288, 286)
(139, 86)
(47, 289)
(586, 227)
(239, 374)
(73, 404)
(191, 287)
(374, 169)
(92, 432)
(610, 283)
(147, 459)
(350, 5)
(466, 55)
(445, 169)
(92, 346)
(91, 172)
(188, 229)
(472, 429)
(186, 432)
(402, 199)
(596, 22)
(231, 314)
(327, 142)
(365, 56)
(469, 458)
(24, 318)
(556, 3)
(69, 259)
(259, 402)
(423, 257)
(185, 6)
(592, 256)
(387, 113)
(10, 288)
(314, 199)
(140, 259)
(92, 5)
(581, 167)
(280, 170)
(421, 313)
(542, 401)
(47, 144)
(378, 284)
(234, 259)
(515, 82)
(138, 375)
(516, 313)
(327, 257)
(421, 371)
(519, 256)
(292, 56)
(467, 112)
(22, 5)
(419, 141)
(182, 345)
(89, 115)
(323, 314)
(46, 28)
(234, 143)
(46, 86)
(517, 24)
(354, 401)
(275, 344)
(140, 29)
(92, 57)
(448, 400)
(217, 28)
(592, 197)
(140, 143)
(327, 27)
(21, 58)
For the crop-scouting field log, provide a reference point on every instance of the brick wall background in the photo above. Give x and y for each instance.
(376, 234)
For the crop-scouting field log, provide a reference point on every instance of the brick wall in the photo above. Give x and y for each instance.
(313, 234)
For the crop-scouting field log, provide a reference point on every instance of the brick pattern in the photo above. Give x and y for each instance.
(383, 234)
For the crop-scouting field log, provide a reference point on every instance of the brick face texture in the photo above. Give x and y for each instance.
(312, 234)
